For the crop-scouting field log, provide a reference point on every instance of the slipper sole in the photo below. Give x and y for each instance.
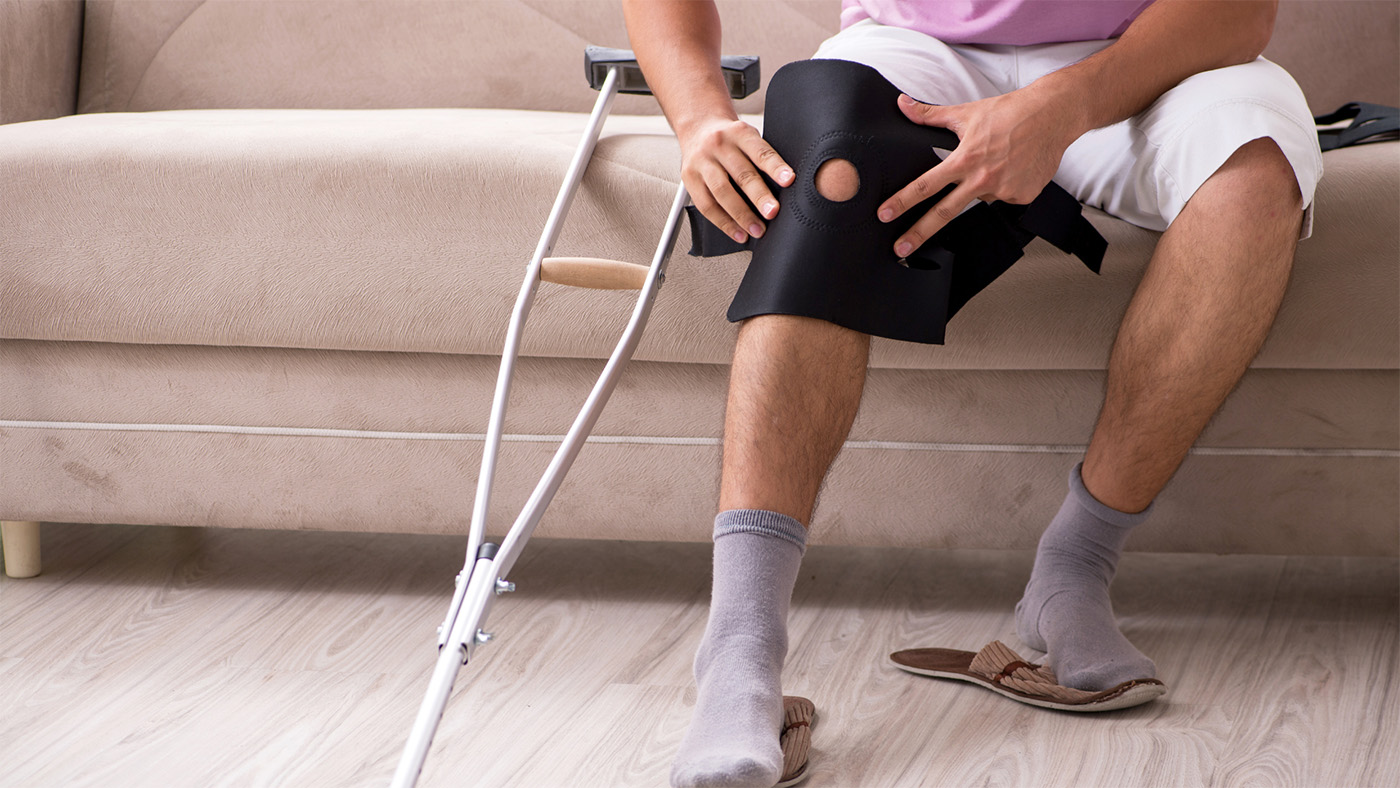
(795, 779)
(1125, 695)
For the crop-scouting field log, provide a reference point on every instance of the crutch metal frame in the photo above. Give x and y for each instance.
(487, 565)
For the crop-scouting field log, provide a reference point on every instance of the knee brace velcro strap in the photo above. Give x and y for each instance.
(835, 260)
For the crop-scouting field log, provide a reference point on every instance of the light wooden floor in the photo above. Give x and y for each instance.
(188, 657)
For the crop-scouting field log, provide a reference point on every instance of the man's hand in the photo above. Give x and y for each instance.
(677, 45)
(1009, 148)
(720, 149)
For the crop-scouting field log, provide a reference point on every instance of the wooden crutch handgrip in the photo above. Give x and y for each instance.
(593, 272)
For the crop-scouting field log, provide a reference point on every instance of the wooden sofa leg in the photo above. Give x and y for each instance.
(21, 541)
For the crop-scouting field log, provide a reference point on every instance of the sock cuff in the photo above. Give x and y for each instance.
(1099, 509)
(763, 522)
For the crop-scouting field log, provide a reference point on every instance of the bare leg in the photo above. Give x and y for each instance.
(794, 390)
(1198, 318)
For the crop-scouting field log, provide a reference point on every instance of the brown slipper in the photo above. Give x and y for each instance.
(1002, 671)
(798, 716)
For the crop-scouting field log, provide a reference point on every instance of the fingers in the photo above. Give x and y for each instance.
(994, 160)
(730, 201)
(702, 192)
(925, 186)
(939, 115)
(946, 210)
(727, 154)
(952, 186)
(757, 150)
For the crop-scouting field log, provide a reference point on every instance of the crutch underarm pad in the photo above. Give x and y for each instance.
(834, 260)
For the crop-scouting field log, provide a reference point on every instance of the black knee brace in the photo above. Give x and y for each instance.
(835, 260)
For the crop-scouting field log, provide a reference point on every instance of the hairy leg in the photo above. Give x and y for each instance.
(1198, 318)
(794, 390)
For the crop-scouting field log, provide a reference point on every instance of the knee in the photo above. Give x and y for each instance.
(1263, 176)
(795, 333)
(837, 180)
(1255, 188)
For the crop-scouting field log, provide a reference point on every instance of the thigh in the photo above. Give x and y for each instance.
(918, 64)
(1145, 169)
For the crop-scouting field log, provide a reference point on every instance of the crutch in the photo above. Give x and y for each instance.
(483, 575)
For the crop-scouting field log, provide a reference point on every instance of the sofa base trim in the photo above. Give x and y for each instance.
(666, 440)
(997, 500)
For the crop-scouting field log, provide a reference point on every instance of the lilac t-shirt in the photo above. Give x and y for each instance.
(1018, 22)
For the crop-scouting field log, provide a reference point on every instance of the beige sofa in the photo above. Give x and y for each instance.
(258, 260)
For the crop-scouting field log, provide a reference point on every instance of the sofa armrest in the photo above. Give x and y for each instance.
(40, 51)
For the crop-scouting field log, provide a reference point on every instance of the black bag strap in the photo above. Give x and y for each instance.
(1059, 218)
(1369, 123)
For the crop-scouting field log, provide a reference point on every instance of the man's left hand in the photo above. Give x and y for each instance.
(1009, 148)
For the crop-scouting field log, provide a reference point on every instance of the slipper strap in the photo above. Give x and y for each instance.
(1000, 665)
(1011, 669)
(796, 737)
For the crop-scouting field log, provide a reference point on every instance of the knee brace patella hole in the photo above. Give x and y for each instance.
(837, 180)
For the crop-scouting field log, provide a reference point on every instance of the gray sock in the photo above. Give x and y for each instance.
(1065, 611)
(733, 735)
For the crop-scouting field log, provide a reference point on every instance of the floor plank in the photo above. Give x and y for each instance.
(188, 657)
(1326, 660)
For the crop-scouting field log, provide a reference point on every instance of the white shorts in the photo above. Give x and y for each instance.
(1142, 170)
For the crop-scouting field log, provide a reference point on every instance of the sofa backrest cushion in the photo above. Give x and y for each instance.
(528, 54)
(370, 54)
(39, 46)
(1340, 50)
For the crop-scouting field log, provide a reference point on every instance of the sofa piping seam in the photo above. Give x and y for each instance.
(662, 440)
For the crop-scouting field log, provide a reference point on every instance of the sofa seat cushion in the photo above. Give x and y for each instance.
(409, 230)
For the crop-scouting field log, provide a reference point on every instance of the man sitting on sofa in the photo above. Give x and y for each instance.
(1160, 113)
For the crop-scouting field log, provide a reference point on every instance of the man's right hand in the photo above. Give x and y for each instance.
(677, 45)
(717, 154)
